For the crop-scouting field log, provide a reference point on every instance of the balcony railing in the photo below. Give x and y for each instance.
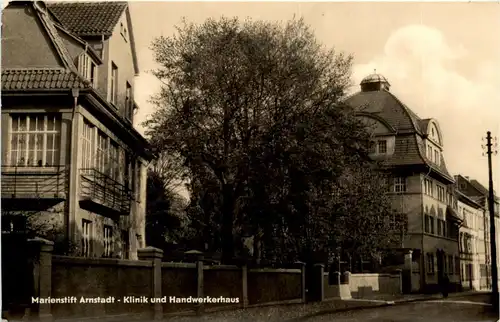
(100, 190)
(34, 182)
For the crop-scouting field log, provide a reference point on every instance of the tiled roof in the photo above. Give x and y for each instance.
(485, 191)
(386, 106)
(88, 18)
(41, 79)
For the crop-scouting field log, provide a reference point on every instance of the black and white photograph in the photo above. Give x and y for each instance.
(250, 161)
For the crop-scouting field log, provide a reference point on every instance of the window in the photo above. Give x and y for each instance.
(114, 161)
(87, 142)
(436, 157)
(108, 241)
(87, 68)
(440, 193)
(429, 152)
(382, 146)
(430, 263)
(439, 227)
(114, 84)
(428, 187)
(457, 265)
(399, 184)
(129, 103)
(427, 223)
(128, 171)
(102, 153)
(35, 140)
(431, 219)
(450, 265)
(125, 244)
(86, 237)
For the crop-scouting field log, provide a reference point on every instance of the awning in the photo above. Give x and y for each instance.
(452, 214)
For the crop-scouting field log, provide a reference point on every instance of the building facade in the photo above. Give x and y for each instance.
(73, 166)
(472, 242)
(422, 190)
(479, 194)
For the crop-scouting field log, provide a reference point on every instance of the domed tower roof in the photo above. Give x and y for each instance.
(374, 82)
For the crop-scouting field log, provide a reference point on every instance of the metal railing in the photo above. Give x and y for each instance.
(34, 182)
(102, 189)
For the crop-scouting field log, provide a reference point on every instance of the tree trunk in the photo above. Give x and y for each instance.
(227, 224)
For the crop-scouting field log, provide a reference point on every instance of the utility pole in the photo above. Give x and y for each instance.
(491, 207)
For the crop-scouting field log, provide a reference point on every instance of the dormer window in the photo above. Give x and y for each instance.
(382, 146)
(436, 157)
(88, 68)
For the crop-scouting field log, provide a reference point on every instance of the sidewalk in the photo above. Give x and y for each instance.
(297, 312)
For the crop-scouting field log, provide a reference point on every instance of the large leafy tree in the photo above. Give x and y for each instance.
(252, 108)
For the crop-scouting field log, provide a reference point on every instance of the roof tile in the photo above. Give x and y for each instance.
(88, 18)
(45, 78)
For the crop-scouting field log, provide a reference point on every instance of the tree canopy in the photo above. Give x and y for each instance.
(254, 111)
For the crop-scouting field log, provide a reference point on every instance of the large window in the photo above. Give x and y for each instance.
(88, 144)
(87, 68)
(428, 187)
(114, 84)
(114, 161)
(86, 237)
(102, 153)
(108, 241)
(441, 195)
(35, 139)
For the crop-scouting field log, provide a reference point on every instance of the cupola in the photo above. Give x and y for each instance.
(374, 82)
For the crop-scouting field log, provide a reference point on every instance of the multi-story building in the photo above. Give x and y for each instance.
(471, 240)
(422, 190)
(479, 194)
(72, 161)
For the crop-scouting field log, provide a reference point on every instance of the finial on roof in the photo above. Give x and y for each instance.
(374, 70)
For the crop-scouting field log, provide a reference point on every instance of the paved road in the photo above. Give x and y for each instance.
(453, 309)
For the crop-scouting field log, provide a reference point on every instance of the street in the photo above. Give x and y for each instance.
(453, 309)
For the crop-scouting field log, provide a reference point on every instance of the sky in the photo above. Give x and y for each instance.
(441, 59)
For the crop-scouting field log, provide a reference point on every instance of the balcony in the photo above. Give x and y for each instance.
(103, 195)
(33, 188)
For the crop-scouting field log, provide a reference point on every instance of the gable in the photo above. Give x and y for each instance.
(25, 42)
(434, 133)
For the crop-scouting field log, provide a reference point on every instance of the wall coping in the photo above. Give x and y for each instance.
(177, 265)
(222, 267)
(100, 261)
(374, 275)
(275, 270)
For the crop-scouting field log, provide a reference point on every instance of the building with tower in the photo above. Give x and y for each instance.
(422, 190)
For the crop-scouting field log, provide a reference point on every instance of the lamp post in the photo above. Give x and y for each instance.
(491, 207)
